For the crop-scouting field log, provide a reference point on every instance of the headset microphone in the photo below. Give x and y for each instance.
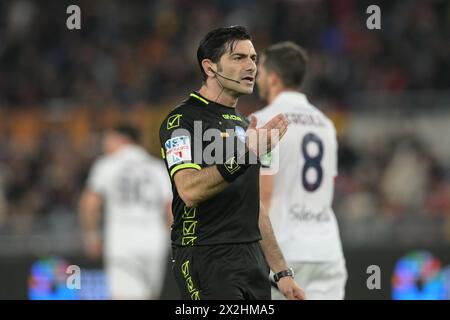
(224, 76)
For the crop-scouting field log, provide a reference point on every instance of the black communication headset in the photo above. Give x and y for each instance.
(216, 73)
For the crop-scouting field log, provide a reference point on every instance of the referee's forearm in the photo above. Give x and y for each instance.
(197, 186)
(210, 183)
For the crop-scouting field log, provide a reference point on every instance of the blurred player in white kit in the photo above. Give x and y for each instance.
(297, 181)
(133, 190)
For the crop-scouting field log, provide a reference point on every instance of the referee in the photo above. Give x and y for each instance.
(222, 239)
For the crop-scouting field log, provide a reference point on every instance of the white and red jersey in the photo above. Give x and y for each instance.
(304, 166)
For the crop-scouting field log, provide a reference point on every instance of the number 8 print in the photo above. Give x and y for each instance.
(312, 162)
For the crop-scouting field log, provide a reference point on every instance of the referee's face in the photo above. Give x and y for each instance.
(239, 64)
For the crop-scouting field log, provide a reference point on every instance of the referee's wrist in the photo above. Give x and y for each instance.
(284, 273)
(238, 162)
(232, 168)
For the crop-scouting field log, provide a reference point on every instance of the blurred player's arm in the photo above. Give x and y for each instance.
(90, 210)
(274, 257)
(195, 186)
(169, 214)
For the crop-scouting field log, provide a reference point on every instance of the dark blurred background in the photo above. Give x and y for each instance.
(386, 90)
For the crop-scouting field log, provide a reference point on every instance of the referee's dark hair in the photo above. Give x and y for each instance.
(288, 60)
(217, 41)
(128, 131)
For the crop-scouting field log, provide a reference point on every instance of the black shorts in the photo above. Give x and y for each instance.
(224, 272)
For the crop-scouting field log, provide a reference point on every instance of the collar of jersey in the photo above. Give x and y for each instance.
(286, 98)
(197, 99)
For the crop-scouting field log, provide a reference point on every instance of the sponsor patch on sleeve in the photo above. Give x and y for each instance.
(178, 150)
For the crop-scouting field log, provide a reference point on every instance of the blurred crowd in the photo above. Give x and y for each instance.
(135, 55)
(38, 182)
(133, 51)
(393, 191)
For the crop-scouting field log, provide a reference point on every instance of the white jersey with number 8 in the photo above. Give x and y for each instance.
(306, 166)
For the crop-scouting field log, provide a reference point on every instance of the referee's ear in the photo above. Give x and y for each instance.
(208, 68)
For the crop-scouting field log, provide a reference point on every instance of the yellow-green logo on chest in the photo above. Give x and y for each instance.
(231, 117)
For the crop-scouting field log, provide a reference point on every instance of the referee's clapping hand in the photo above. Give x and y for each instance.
(272, 131)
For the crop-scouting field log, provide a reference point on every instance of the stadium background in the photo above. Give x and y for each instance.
(387, 91)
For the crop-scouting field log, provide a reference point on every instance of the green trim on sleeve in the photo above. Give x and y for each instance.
(184, 166)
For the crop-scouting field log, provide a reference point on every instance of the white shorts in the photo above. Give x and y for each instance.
(319, 280)
(135, 277)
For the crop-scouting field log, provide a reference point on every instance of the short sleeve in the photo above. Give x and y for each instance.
(178, 142)
(98, 177)
(165, 186)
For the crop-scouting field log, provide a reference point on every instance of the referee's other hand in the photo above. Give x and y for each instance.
(290, 289)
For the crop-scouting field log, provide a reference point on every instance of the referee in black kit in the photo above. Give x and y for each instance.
(222, 239)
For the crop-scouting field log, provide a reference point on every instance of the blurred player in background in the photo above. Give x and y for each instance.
(134, 191)
(299, 195)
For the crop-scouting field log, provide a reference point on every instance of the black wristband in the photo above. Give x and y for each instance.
(238, 162)
(233, 167)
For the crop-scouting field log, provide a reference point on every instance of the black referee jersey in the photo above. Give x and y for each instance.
(230, 216)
